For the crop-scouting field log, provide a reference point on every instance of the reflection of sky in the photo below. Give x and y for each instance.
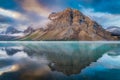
(14, 58)
(18, 59)
(106, 67)
(111, 62)
(3, 53)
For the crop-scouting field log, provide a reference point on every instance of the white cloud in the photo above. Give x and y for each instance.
(19, 19)
(26, 19)
(35, 7)
(110, 61)
(104, 19)
(3, 26)
(12, 14)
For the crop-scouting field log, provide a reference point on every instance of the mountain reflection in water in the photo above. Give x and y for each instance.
(59, 61)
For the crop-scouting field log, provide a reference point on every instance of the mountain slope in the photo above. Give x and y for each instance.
(70, 24)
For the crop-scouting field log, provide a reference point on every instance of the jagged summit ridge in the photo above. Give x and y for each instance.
(68, 17)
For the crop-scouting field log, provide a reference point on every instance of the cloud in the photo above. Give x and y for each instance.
(110, 6)
(21, 20)
(34, 6)
(23, 13)
(3, 26)
(12, 14)
(104, 19)
(4, 19)
(13, 18)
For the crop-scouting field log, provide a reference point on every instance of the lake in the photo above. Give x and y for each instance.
(59, 60)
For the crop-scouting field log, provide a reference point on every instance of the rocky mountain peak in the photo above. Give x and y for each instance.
(71, 24)
(72, 17)
(10, 30)
(67, 17)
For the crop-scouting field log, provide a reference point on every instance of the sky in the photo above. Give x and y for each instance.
(24, 13)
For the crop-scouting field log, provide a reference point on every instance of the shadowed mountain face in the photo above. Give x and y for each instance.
(70, 24)
(11, 30)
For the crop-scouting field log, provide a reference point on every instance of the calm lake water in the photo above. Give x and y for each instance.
(59, 60)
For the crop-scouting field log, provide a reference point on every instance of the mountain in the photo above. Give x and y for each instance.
(29, 30)
(9, 34)
(70, 24)
(115, 31)
(12, 33)
(11, 30)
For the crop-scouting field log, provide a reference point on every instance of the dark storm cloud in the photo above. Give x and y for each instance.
(110, 6)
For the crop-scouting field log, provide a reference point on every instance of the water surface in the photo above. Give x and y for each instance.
(59, 61)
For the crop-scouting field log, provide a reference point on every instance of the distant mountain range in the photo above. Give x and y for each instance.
(115, 31)
(12, 33)
(70, 24)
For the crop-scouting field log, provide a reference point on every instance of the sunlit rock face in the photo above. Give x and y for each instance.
(71, 24)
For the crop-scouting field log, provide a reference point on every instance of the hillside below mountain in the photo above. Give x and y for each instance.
(70, 24)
